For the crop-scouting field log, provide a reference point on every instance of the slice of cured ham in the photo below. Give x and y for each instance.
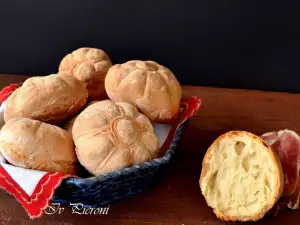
(286, 143)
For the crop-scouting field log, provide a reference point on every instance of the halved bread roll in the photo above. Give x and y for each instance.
(241, 177)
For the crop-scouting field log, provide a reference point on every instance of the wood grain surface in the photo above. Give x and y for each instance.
(175, 199)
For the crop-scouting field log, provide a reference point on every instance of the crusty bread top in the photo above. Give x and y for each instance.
(148, 85)
(32, 144)
(90, 66)
(241, 177)
(111, 136)
(85, 63)
(51, 99)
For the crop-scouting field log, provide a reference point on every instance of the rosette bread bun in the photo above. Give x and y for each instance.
(50, 99)
(110, 136)
(31, 144)
(90, 66)
(147, 85)
(241, 177)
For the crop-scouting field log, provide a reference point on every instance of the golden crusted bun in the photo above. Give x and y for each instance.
(147, 85)
(31, 144)
(50, 99)
(90, 66)
(110, 136)
(241, 177)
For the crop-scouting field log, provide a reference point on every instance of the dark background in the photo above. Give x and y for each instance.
(236, 43)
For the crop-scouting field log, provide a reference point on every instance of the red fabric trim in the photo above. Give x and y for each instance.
(6, 91)
(43, 193)
(190, 106)
(40, 198)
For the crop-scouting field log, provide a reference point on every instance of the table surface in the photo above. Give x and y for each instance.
(175, 198)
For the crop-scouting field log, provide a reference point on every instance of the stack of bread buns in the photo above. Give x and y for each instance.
(91, 113)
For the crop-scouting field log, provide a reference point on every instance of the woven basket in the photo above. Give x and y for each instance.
(102, 190)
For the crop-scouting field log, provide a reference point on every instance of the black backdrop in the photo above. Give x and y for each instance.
(236, 43)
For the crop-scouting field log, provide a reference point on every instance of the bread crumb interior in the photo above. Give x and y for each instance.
(240, 178)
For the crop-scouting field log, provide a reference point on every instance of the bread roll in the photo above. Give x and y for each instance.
(90, 66)
(110, 136)
(51, 99)
(31, 144)
(147, 85)
(241, 177)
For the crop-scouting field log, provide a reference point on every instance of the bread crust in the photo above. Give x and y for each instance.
(51, 99)
(275, 160)
(110, 136)
(89, 65)
(31, 144)
(147, 85)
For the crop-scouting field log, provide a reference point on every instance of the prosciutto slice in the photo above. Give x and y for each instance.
(286, 144)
